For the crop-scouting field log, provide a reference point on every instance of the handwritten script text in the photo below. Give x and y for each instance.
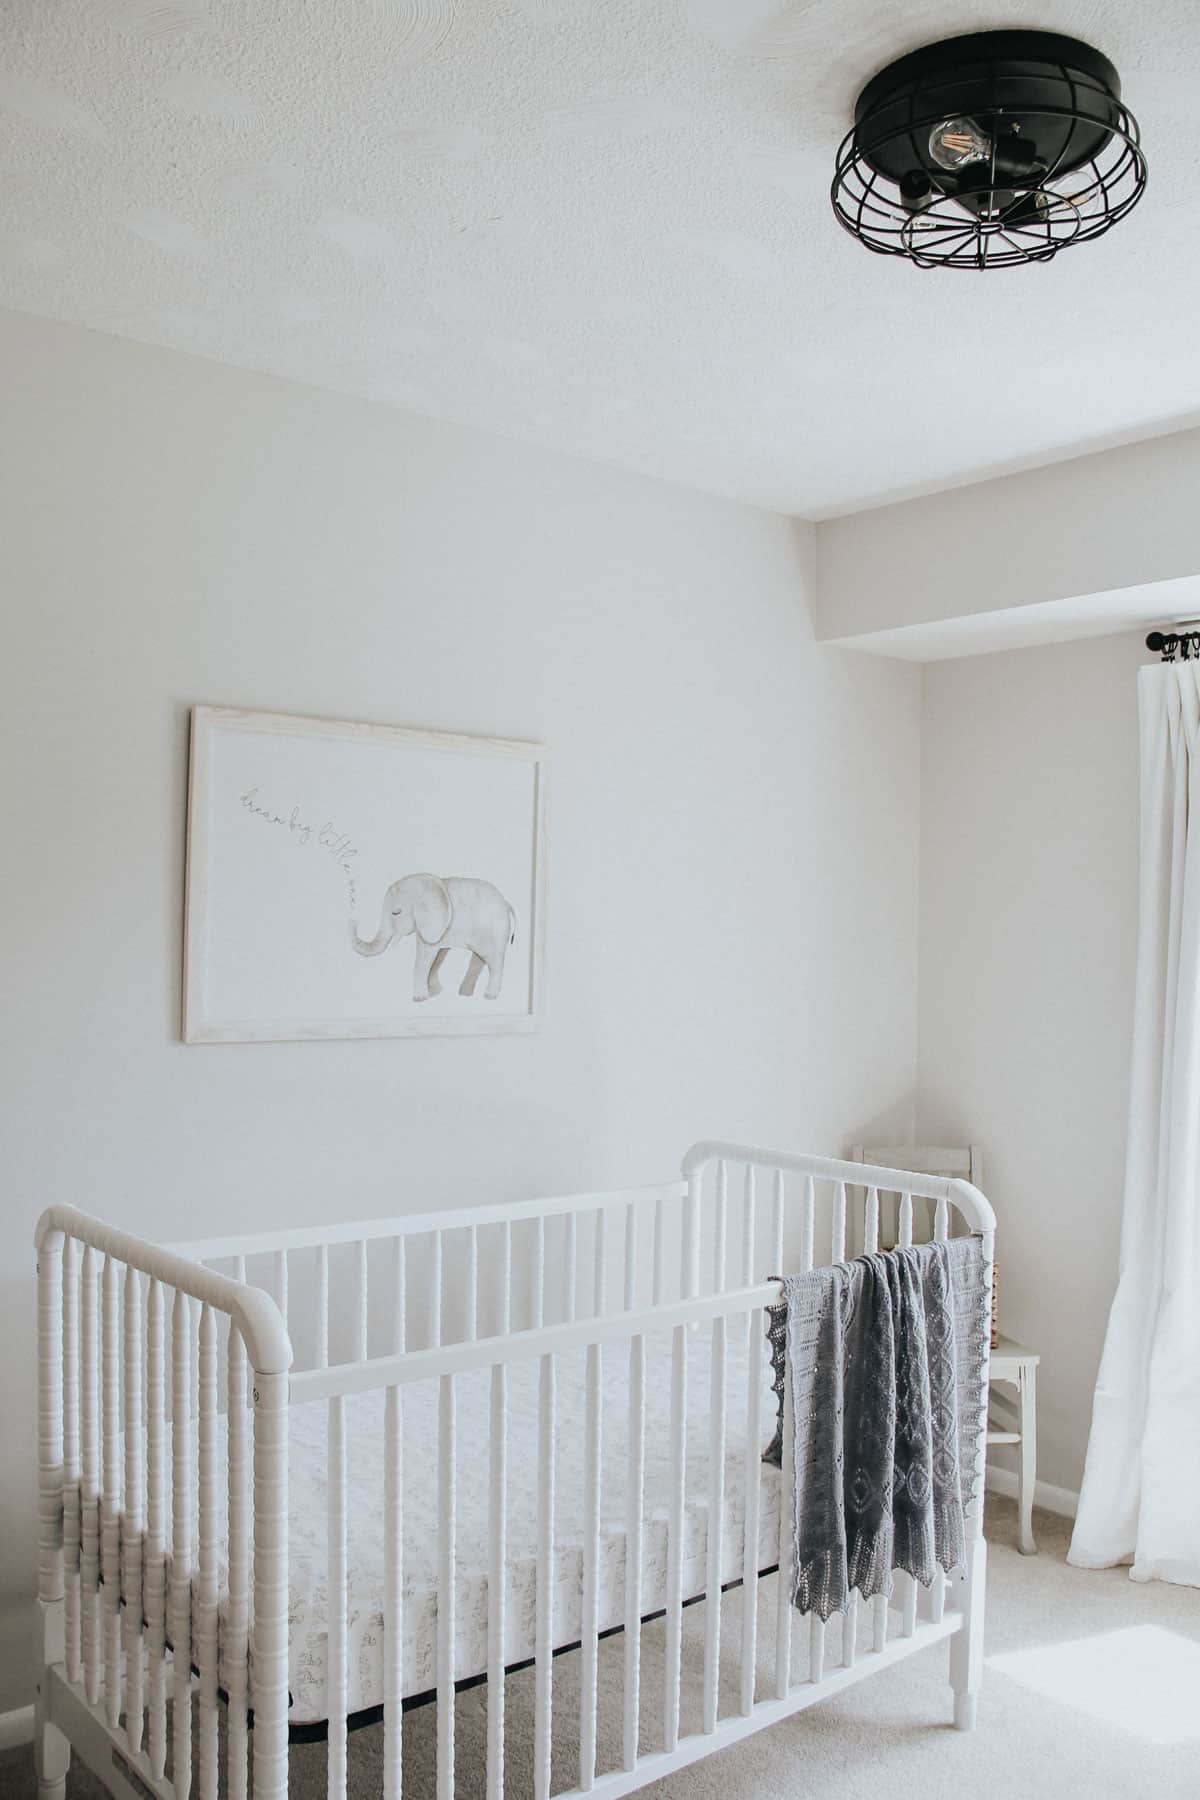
(336, 844)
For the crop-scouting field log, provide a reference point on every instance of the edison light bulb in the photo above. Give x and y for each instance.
(956, 142)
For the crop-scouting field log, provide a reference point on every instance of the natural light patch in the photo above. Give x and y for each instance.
(1145, 1680)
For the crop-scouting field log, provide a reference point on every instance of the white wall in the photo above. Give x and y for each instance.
(719, 958)
(1029, 813)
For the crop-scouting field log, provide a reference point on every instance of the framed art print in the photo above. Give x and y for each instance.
(349, 881)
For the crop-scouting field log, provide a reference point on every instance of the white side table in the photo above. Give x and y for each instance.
(1014, 1366)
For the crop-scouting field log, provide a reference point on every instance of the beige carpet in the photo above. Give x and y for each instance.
(1102, 1701)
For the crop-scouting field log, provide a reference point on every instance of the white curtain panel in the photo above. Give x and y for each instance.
(1140, 1500)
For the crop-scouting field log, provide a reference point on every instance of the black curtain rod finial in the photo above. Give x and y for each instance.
(1175, 646)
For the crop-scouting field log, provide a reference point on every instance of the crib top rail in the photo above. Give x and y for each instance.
(252, 1309)
(309, 1237)
(971, 1204)
(379, 1372)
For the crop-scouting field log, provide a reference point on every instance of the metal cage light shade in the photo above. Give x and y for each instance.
(984, 151)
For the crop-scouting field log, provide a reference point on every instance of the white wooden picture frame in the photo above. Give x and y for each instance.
(360, 881)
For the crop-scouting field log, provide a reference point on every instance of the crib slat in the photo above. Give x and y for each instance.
(690, 1240)
(570, 1267)
(471, 1320)
(71, 1469)
(206, 1596)
(777, 1198)
(634, 1504)
(850, 1631)
(336, 1775)
(871, 1221)
(749, 1225)
(720, 1228)
(181, 1548)
(393, 1601)
(135, 1512)
(879, 1619)
(281, 1284)
(590, 1620)
(544, 1621)
(716, 1522)
(362, 1313)
(838, 1234)
(675, 1526)
(937, 1591)
(497, 1575)
(90, 1496)
(322, 1305)
(156, 1529)
(629, 1291)
(399, 1294)
(808, 1223)
(447, 1533)
(937, 1595)
(816, 1647)
(237, 1606)
(194, 1317)
(753, 1480)
(657, 1259)
(909, 1609)
(435, 1293)
(906, 1587)
(506, 1277)
(784, 1582)
(600, 1269)
(808, 1228)
(111, 1514)
(539, 1274)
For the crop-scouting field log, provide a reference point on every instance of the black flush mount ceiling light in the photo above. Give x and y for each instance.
(983, 151)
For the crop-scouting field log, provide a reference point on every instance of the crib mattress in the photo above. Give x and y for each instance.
(308, 1511)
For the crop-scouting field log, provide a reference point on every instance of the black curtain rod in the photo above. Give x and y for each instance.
(1175, 646)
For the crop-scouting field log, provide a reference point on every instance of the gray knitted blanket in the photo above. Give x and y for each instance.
(886, 1357)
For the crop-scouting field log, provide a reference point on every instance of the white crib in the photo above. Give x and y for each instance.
(570, 1337)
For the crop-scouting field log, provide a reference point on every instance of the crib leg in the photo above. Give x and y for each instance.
(51, 1750)
(52, 1759)
(966, 1711)
(966, 1646)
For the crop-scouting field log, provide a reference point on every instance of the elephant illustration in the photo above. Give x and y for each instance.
(447, 913)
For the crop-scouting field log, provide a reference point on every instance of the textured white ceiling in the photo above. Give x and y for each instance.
(601, 225)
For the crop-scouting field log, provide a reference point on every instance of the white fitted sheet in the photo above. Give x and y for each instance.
(308, 1513)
